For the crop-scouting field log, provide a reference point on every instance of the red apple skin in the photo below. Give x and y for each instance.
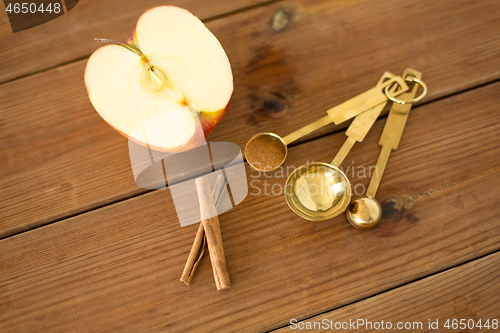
(208, 120)
(132, 40)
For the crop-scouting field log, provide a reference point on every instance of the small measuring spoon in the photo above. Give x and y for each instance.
(321, 191)
(268, 151)
(365, 212)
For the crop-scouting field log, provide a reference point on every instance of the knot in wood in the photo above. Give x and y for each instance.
(281, 19)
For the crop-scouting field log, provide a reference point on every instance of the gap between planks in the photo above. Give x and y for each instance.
(400, 288)
(296, 34)
(145, 192)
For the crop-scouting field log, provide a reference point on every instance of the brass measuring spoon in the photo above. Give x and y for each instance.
(275, 153)
(365, 212)
(321, 191)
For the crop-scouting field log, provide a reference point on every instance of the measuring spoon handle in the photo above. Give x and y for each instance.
(307, 129)
(392, 132)
(351, 108)
(365, 101)
(362, 123)
(379, 171)
(357, 131)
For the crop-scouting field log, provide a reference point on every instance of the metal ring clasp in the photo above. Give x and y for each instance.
(409, 101)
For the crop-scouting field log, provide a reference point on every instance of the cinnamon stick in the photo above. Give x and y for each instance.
(198, 248)
(210, 222)
(195, 255)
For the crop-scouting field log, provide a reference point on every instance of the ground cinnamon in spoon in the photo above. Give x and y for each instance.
(265, 152)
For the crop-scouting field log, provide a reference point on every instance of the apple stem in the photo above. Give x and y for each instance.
(128, 47)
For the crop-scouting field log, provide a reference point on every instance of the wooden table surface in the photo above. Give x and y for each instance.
(84, 249)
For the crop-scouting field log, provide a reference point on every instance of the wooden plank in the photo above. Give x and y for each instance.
(46, 147)
(71, 36)
(334, 50)
(470, 292)
(61, 159)
(118, 268)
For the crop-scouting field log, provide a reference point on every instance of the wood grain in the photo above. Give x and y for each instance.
(117, 268)
(470, 292)
(71, 36)
(60, 159)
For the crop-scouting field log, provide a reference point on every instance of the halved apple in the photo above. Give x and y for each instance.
(168, 86)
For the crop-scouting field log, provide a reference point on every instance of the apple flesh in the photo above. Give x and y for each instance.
(167, 87)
